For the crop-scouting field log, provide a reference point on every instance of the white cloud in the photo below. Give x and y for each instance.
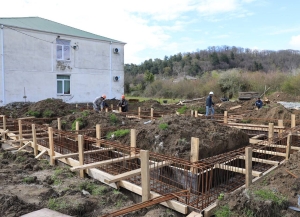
(295, 42)
(208, 7)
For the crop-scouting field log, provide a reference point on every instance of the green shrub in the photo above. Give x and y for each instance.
(29, 180)
(182, 110)
(56, 204)
(85, 113)
(80, 120)
(113, 118)
(48, 113)
(93, 188)
(163, 126)
(223, 211)
(118, 133)
(33, 113)
(270, 195)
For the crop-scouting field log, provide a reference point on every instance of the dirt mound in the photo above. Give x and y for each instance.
(280, 96)
(268, 197)
(171, 135)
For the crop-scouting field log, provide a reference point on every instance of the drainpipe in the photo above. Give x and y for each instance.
(110, 75)
(2, 59)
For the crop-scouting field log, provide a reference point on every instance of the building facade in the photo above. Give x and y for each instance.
(43, 59)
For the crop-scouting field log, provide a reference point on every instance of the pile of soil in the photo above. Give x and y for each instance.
(27, 185)
(268, 197)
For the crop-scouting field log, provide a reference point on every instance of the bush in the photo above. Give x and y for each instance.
(182, 110)
(163, 126)
(118, 133)
(85, 113)
(33, 113)
(224, 211)
(113, 118)
(48, 113)
(80, 120)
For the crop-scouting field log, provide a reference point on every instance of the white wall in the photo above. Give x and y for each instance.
(31, 63)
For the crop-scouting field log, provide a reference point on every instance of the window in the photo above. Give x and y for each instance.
(63, 50)
(63, 84)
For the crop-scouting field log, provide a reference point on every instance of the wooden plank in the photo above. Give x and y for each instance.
(145, 175)
(262, 160)
(132, 141)
(172, 204)
(30, 117)
(51, 146)
(288, 147)
(41, 154)
(81, 155)
(86, 152)
(235, 107)
(137, 172)
(236, 169)
(248, 165)
(101, 163)
(24, 146)
(270, 152)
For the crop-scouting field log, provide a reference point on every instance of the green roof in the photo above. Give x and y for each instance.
(41, 24)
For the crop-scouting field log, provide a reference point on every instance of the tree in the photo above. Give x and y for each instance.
(148, 76)
(214, 59)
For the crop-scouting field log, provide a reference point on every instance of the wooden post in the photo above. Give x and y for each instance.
(106, 109)
(34, 144)
(293, 120)
(51, 146)
(145, 175)
(139, 112)
(81, 154)
(112, 106)
(132, 141)
(152, 113)
(225, 117)
(288, 146)
(196, 113)
(194, 151)
(20, 131)
(98, 134)
(77, 125)
(280, 124)
(58, 124)
(271, 132)
(120, 109)
(76, 105)
(192, 113)
(248, 163)
(4, 122)
(87, 106)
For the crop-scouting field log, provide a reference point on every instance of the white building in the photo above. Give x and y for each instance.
(43, 59)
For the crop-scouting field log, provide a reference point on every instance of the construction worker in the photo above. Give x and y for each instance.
(210, 105)
(99, 103)
(123, 104)
(258, 103)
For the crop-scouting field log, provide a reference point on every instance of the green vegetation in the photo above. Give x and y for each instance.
(80, 120)
(56, 204)
(248, 212)
(163, 126)
(20, 159)
(221, 196)
(61, 173)
(29, 180)
(182, 110)
(85, 113)
(201, 110)
(246, 121)
(113, 118)
(48, 113)
(223, 211)
(93, 188)
(170, 100)
(118, 133)
(270, 195)
(33, 113)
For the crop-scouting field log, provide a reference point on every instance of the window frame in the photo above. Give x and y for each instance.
(60, 43)
(63, 85)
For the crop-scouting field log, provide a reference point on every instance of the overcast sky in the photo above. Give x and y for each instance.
(155, 28)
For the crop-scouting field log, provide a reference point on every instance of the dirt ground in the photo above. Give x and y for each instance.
(171, 134)
(27, 184)
(270, 196)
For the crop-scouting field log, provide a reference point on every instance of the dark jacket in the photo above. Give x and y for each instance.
(259, 103)
(209, 101)
(124, 105)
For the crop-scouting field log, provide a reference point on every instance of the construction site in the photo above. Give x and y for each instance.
(150, 161)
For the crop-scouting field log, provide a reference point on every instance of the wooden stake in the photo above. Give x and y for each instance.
(87, 106)
(248, 163)
(58, 124)
(196, 113)
(152, 113)
(76, 105)
(81, 154)
(293, 120)
(20, 131)
(77, 125)
(288, 146)
(271, 132)
(120, 109)
(34, 144)
(145, 175)
(98, 134)
(4, 122)
(41, 154)
(51, 146)
(132, 141)
(112, 106)
(139, 112)
(192, 113)
(194, 151)
(280, 124)
(106, 109)
(225, 117)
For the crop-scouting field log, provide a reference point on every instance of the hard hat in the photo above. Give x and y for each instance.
(123, 97)
(211, 93)
(104, 96)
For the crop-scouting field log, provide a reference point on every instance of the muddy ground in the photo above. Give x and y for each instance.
(28, 185)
